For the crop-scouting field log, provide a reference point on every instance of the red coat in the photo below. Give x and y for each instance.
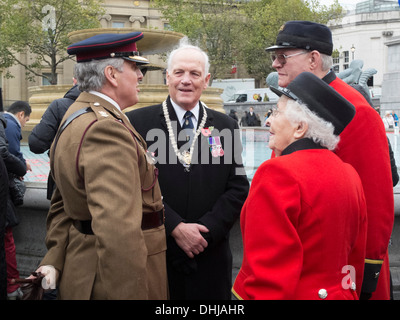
(364, 145)
(303, 222)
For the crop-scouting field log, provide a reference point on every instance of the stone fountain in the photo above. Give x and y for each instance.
(154, 42)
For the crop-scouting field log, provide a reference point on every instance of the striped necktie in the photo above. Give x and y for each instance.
(188, 125)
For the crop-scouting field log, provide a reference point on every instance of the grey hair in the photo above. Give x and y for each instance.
(327, 62)
(90, 75)
(319, 130)
(184, 45)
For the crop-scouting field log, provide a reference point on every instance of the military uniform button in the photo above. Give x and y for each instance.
(96, 104)
(322, 293)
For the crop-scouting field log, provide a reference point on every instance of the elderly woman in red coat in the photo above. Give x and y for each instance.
(304, 221)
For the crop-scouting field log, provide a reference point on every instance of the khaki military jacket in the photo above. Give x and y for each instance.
(101, 172)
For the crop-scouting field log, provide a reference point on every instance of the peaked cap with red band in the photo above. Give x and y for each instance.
(108, 45)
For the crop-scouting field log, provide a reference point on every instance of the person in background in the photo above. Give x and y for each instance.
(202, 178)
(233, 115)
(307, 46)
(305, 218)
(3, 214)
(16, 117)
(388, 120)
(266, 116)
(395, 118)
(42, 135)
(251, 118)
(243, 120)
(13, 164)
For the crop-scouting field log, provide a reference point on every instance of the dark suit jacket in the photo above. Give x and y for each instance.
(211, 193)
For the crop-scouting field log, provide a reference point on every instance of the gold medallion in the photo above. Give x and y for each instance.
(186, 157)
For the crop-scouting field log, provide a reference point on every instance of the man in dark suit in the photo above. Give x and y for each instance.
(201, 176)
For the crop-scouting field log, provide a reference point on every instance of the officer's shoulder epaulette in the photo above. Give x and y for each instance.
(103, 113)
(67, 121)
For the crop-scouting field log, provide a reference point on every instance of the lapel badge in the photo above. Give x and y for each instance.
(150, 157)
(215, 147)
(207, 131)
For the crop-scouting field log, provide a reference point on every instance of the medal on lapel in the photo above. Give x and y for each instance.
(215, 147)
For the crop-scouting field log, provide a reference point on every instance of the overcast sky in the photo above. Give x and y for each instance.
(347, 4)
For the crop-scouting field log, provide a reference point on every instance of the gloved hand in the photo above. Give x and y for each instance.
(50, 273)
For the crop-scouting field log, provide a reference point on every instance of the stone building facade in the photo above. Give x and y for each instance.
(363, 34)
(119, 14)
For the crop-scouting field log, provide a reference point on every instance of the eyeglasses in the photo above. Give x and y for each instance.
(282, 57)
(275, 112)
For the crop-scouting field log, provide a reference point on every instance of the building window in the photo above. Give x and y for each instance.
(116, 24)
(45, 81)
(346, 56)
(345, 66)
(336, 68)
(336, 60)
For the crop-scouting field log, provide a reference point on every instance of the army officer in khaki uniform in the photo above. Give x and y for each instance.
(105, 228)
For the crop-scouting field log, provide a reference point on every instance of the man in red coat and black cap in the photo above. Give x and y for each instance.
(307, 46)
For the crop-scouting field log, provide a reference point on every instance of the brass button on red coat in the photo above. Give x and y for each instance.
(322, 293)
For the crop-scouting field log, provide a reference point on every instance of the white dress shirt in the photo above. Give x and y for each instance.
(180, 113)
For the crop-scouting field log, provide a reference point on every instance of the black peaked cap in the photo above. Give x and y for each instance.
(304, 35)
(320, 98)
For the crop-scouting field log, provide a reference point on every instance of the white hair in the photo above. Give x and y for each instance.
(183, 46)
(319, 130)
(90, 75)
(327, 62)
